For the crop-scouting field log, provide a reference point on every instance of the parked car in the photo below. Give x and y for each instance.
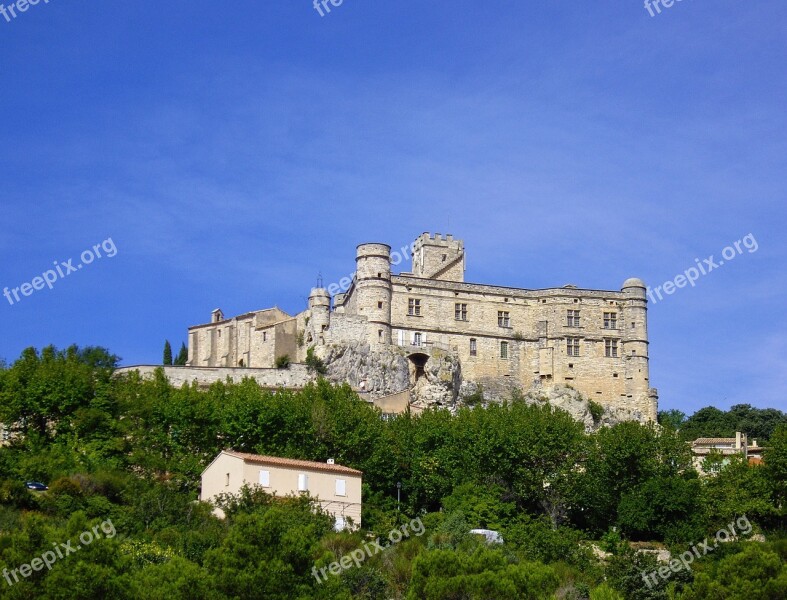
(36, 486)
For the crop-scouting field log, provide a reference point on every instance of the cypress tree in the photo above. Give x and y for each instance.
(183, 356)
(167, 354)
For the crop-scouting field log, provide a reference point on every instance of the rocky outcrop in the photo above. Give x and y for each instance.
(387, 370)
(440, 383)
(592, 415)
(378, 372)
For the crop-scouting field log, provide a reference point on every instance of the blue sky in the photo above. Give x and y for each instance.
(232, 151)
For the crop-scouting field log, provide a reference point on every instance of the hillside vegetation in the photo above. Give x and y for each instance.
(129, 452)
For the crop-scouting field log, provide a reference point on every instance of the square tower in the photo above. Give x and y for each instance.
(435, 257)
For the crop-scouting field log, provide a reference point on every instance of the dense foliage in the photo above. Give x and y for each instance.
(758, 423)
(129, 452)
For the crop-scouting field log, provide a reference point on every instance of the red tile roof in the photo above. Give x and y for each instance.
(702, 441)
(294, 463)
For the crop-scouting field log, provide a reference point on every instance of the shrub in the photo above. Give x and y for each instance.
(315, 364)
(596, 411)
(283, 361)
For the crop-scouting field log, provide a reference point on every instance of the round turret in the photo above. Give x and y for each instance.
(320, 306)
(373, 289)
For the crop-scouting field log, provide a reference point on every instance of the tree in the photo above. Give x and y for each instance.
(486, 573)
(167, 354)
(776, 465)
(755, 573)
(183, 356)
(757, 423)
(674, 417)
(40, 393)
(663, 507)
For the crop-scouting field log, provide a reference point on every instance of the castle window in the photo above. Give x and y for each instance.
(610, 320)
(503, 319)
(379, 305)
(504, 350)
(610, 348)
(445, 256)
(460, 312)
(572, 318)
(473, 347)
(264, 336)
(572, 346)
(414, 307)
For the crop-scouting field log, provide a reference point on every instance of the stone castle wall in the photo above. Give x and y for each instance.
(502, 338)
(295, 377)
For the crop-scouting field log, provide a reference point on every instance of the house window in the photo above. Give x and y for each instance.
(303, 482)
(572, 346)
(610, 348)
(572, 318)
(460, 312)
(265, 478)
(414, 307)
(503, 319)
(341, 487)
(610, 320)
(504, 350)
(417, 339)
(227, 479)
(473, 347)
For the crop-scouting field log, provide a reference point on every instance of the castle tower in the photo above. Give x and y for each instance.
(435, 257)
(373, 289)
(320, 307)
(635, 349)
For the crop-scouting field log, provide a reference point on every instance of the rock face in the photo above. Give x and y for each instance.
(558, 396)
(384, 371)
(440, 383)
(379, 373)
(387, 370)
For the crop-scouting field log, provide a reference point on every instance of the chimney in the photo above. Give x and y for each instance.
(737, 440)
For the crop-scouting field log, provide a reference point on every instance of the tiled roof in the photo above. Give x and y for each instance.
(294, 463)
(699, 441)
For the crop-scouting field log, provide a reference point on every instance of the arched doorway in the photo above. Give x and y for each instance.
(417, 366)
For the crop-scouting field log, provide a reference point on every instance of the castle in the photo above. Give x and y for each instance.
(437, 329)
